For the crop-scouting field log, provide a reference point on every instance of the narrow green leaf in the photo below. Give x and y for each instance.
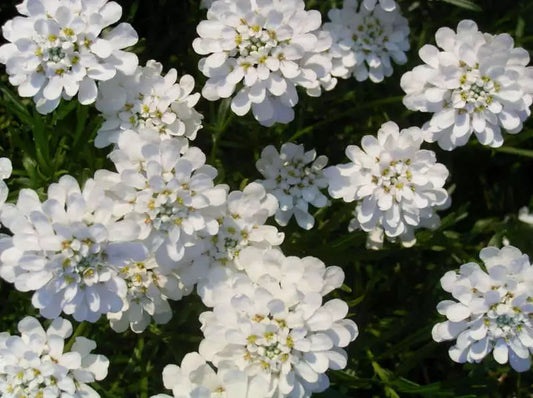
(520, 27)
(63, 110)
(468, 4)
(515, 151)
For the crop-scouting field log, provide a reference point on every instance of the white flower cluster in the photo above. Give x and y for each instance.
(241, 224)
(34, 364)
(365, 39)
(148, 99)
(148, 288)
(269, 330)
(57, 49)
(130, 240)
(68, 249)
(493, 311)
(273, 323)
(167, 190)
(195, 378)
(295, 177)
(473, 82)
(397, 185)
(263, 50)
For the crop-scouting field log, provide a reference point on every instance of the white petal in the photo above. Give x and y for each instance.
(88, 91)
(500, 351)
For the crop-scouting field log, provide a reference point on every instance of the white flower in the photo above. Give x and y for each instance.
(195, 378)
(6, 168)
(148, 289)
(301, 275)
(493, 311)
(525, 216)
(397, 185)
(365, 40)
(33, 365)
(148, 99)
(68, 249)
(55, 49)
(472, 83)
(295, 178)
(271, 322)
(165, 188)
(262, 50)
(241, 224)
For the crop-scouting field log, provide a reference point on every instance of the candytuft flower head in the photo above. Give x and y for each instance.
(241, 222)
(295, 178)
(365, 40)
(34, 364)
(149, 288)
(196, 378)
(273, 323)
(397, 185)
(262, 50)
(57, 49)
(472, 82)
(68, 250)
(167, 190)
(148, 99)
(493, 311)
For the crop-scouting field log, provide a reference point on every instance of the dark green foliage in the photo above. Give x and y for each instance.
(392, 293)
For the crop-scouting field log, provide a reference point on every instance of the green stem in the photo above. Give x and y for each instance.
(80, 329)
(515, 151)
(215, 137)
(135, 356)
(224, 117)
(40, 136)
(82, 113)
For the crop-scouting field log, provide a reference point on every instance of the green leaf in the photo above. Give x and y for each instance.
(468, 4)
(520, 27)
(63, 110)
(515, 151)
(15, 106)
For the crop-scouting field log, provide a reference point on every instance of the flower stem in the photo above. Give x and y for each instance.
(515, 151)
(80, 329)
(224, 116)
